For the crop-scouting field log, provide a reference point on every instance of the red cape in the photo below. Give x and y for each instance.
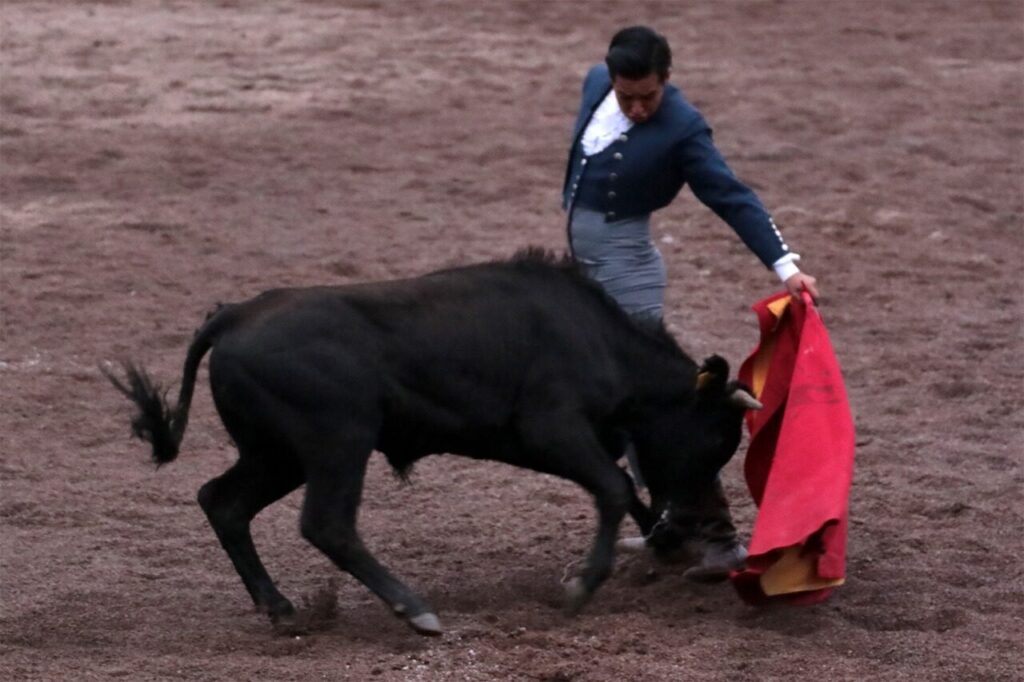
(799, 465)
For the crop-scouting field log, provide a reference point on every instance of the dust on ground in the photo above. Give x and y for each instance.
(156, 158)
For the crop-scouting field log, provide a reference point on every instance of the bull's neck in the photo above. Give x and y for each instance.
(658, 368)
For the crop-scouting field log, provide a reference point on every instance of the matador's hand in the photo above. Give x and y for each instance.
(799, 282)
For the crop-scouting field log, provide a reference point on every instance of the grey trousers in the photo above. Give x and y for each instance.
(621, 257)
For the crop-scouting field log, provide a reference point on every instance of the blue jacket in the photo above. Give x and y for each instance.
(644, 170)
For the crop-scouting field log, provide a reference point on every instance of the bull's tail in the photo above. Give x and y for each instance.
(157, 422)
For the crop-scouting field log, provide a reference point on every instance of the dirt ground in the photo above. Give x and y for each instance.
(160, 157)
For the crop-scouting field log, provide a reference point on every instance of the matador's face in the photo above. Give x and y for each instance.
(639, 98)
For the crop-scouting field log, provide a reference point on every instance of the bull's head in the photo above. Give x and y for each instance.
(684, 460)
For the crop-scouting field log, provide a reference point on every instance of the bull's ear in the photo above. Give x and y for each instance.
(713, 373)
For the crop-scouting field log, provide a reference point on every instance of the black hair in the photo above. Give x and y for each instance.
(638, 51)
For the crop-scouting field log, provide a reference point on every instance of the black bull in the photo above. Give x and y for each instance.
(525, 362)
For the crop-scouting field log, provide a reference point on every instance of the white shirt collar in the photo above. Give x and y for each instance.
(607, 123)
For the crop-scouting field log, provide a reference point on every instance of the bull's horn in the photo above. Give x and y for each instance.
(741, 398)
(702, 379)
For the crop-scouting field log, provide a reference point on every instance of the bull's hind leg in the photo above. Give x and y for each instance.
(333, 493)
(230, 502)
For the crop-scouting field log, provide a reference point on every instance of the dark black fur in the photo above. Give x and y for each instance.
(526, 362)
(154, 421)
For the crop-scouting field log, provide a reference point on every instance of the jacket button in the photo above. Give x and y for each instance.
(611, 215)
(611, 195)
(623, 138)
(613, 177)
(574, 186)
(583, 162)
(617, 156)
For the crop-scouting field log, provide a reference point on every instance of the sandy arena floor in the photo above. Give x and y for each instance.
(157, 157)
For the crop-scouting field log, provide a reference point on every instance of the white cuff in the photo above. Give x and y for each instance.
(786, 267)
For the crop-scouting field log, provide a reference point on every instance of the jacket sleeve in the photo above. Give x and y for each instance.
(718, 188)
(597, 76)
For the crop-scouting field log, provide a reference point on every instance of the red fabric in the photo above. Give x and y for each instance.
(799, 465)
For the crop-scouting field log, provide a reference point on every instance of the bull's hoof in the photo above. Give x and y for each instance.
(289, 627)
(631, 545)
(285, 621)
(426, 624)
(576, 595)
(277, 609)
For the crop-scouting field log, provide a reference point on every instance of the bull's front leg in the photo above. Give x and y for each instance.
(640, 512)
(565, 445)
(616, 443)
(612, 501)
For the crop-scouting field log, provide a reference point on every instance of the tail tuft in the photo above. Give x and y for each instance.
(154, 421)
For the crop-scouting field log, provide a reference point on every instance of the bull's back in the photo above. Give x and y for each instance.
(506, 311)
(457, 350)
